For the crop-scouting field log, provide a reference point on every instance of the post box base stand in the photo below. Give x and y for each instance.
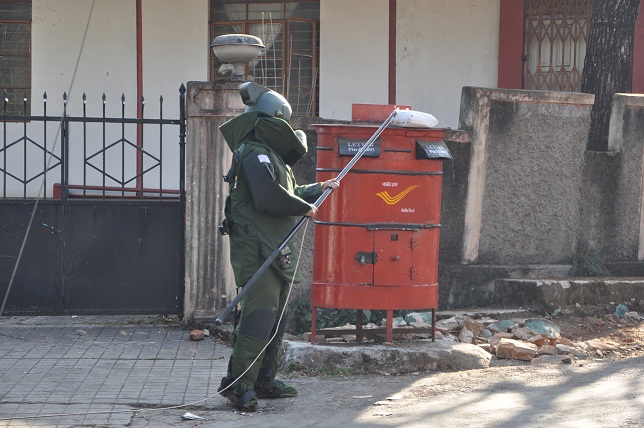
(372, 332)
(324, 295)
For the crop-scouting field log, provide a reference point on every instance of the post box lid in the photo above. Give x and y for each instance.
(371, 113)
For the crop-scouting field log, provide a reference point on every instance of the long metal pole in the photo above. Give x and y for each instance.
(253, 280)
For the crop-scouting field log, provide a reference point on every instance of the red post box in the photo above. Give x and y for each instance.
(377, 236)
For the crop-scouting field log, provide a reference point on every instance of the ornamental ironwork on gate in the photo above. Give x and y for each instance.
(556, 34)
(92, 209)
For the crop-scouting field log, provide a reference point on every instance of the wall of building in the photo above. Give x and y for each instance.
(175, 50)
(436, 54)
(354, 52)
(106, 63)
(441, 46)
(79, 50)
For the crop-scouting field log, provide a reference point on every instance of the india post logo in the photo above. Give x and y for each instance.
(393, 200)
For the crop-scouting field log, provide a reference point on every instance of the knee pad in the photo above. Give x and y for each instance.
(258, 324)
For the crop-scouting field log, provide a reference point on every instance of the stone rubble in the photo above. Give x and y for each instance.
(515, 339)
(196, 335)
(527, 339)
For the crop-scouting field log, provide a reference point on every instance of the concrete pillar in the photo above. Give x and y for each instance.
(474, 117)
(209, 281)
(626, 136)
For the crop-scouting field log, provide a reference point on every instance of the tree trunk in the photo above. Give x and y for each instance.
(608, 66)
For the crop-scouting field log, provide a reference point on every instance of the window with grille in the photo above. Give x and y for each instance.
(556, 33)
(15, 55)
(289, 30)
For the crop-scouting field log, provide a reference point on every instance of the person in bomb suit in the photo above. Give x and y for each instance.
(262, 207)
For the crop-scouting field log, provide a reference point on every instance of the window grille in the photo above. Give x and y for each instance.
(15, 55)
(289, 30)
(556, 33)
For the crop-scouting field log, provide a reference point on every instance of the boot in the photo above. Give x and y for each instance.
(274, 389)
(244, 401)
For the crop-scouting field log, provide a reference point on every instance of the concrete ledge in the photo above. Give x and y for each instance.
(473, 286)
(553, 293)
(404, 357)
(625, 269)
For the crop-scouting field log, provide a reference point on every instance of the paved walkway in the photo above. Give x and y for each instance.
(99, 371)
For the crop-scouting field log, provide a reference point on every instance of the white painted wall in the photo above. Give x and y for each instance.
(75, 53)
(106, 64)
(442, 45)
(354, 52)
(176, 48)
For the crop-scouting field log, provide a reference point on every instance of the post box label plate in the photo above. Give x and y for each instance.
(348, 147)
(432, 150)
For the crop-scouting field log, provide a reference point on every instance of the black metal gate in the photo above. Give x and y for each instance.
(87, 225)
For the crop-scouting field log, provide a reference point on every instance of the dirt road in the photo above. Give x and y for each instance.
(608, 393)
(599, 391)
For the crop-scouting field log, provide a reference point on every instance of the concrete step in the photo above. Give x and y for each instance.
(550, 293)
(472, 286)
(625, 269)
(539, 286)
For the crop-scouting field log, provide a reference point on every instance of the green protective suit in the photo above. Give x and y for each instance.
(264, 205)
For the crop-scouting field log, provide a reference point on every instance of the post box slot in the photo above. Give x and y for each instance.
(397, 150)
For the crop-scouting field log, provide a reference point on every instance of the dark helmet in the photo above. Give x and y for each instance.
(260, 98)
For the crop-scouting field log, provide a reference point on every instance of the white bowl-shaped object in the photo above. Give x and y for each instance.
(237, 49)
